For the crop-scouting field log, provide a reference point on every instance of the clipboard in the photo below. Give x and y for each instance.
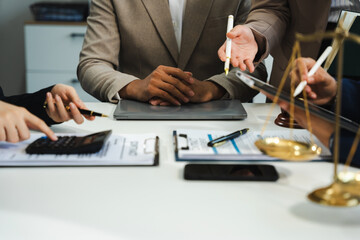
(191, 145)
(119, 150)
(314, 109)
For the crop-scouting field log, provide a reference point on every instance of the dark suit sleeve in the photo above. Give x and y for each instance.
(349, 109)
(268, 19)
(33, 102)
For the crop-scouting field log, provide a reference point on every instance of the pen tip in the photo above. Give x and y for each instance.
(226, 71)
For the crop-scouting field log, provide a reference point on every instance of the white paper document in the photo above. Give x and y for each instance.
(191, 145)
(124, 149)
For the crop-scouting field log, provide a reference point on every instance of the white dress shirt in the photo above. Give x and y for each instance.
(177, 10)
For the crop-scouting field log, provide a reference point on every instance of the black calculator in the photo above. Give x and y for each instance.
(69, 144)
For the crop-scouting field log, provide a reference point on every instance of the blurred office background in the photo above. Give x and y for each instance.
(15, 78)
(13, 15)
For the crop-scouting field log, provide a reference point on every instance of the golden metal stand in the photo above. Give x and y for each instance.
(343, 192)
(345, 189)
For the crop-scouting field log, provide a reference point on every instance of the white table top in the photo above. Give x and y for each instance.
(157, 203)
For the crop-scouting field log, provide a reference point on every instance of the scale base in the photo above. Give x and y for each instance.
(334, 195)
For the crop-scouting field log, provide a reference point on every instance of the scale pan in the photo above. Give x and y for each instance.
(288, 149)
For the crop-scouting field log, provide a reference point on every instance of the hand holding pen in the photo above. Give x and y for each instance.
(61, 96)
(221, 140)
(321, 87)
(312, 71)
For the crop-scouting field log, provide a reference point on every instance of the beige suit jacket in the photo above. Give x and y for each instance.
(128, 39)
(275, 23)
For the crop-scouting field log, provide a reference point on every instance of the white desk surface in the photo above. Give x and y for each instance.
(157, 203)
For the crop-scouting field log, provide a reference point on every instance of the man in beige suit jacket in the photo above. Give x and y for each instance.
(130, 51)
(271, 27)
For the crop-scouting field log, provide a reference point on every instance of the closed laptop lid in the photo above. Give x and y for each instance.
(213, 110)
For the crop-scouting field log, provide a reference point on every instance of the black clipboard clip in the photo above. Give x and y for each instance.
(176, 140)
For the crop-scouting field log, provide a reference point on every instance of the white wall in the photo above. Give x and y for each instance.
(13, 14)
(261, 98)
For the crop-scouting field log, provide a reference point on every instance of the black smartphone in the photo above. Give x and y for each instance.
(241, 172)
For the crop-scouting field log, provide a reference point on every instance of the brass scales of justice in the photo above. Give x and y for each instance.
(345, 189)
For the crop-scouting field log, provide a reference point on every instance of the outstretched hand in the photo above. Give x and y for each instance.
(243, 48)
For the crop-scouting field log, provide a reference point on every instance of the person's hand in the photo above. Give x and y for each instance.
(60, 96)
(243, 48)
(16, 121)
(321, 87)
(167, 83)
(204, 91)
(321, 128)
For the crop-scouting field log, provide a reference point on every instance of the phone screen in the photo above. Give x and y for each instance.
(244, 172)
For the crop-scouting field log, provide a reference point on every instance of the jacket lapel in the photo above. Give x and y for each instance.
(196, 13)
(160, 15)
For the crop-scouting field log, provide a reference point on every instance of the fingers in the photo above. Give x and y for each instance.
(165, 104)
(179, 74)
(250, 65)
(189, 73)
(241, 65)
(168, 84)
(284, 105)
(310, 93)
(61, 110)
(36, 123)
(158, 102)
(16, 121)
(308, 62)
(11, 131)
(61, 113)
(302, 67)
(12, 124)
(176, 88)
(236, 32)
(23, 131)
(2, 132)
(222, 52)
(67, 93)
(155, 101)
(50, 103)
(303, 71)
(76, 115)
(167, 97)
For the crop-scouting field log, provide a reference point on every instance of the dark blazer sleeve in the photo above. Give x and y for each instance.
(33, 102)
(350, 101)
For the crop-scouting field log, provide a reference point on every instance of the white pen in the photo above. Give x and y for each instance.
(230, 26)
(316, 66)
